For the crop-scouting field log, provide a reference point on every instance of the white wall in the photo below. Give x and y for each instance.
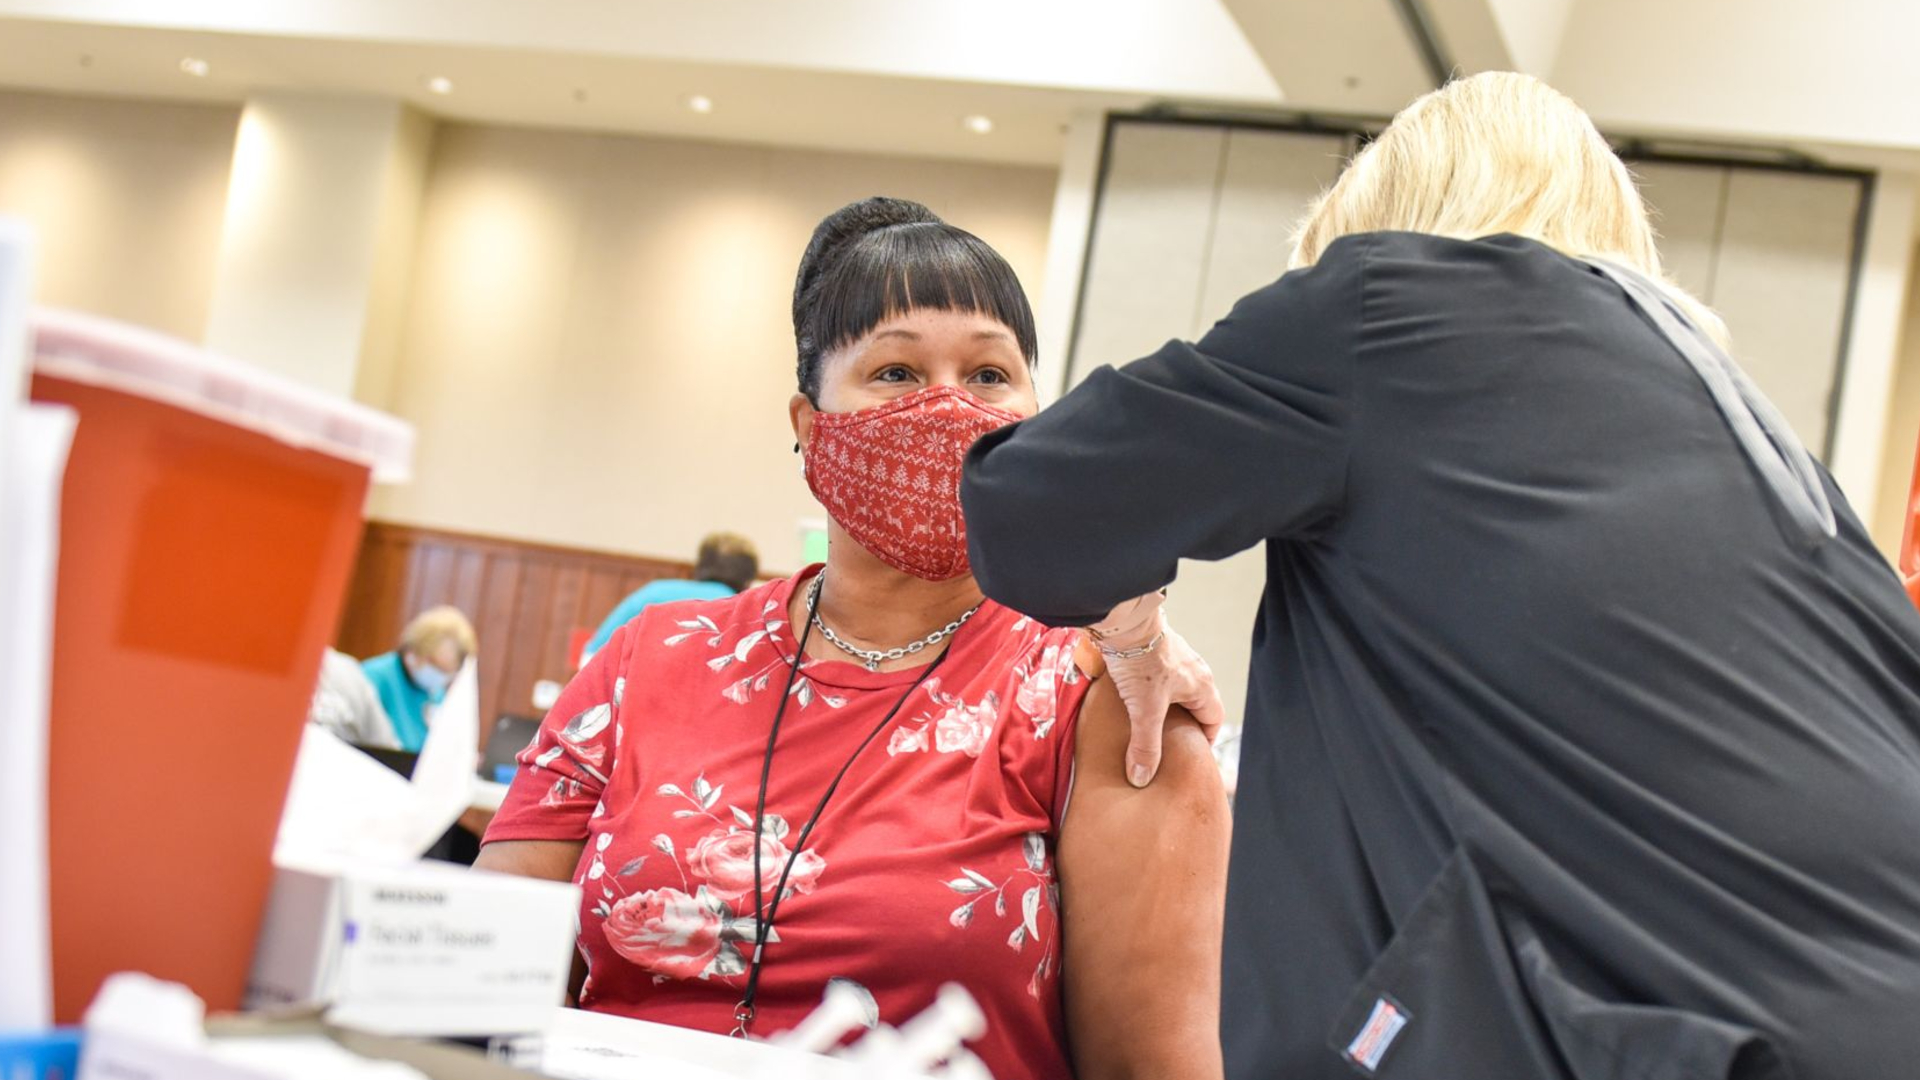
(590, 332)
(1191, 219)
(1180, 48)
(294, 280)
(402, 199)
(1057, 300)
(1903, 428)
(126, 197)
(1771, 70)
(599, 349)
(1880, 309)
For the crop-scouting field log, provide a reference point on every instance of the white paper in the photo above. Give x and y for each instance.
(444, 778)
(306, 1057)
(34, 462)
(344, 804)
(582, 1045)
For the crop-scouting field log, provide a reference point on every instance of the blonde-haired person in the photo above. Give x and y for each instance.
(417, 673)
(1582, 733)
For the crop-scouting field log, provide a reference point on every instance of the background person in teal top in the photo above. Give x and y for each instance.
(432, 648)
(726, 564)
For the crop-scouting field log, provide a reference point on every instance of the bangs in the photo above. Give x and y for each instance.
(925, 265)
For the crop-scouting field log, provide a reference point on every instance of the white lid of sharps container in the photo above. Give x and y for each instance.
(118, 356)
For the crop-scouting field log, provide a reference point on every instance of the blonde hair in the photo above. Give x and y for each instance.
(1497, 152)
(424, 635)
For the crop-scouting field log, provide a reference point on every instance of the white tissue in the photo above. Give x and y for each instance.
(141, 1026)
(145, 1008)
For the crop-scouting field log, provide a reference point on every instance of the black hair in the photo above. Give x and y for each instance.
(729, 559)
(878, 258)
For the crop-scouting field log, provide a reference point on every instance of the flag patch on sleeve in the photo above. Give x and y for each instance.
(1383, 1025)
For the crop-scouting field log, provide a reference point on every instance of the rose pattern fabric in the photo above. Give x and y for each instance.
(723, 861)
(964, 729)
(1042, 685)
(955, 726)
(920, 866)
(665, 931)
(906, 741)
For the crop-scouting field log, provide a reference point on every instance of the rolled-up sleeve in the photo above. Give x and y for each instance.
(1200, 450)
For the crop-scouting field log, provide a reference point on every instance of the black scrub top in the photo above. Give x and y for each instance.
(1565, 756)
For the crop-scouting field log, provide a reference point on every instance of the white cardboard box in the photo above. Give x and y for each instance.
(417, 949)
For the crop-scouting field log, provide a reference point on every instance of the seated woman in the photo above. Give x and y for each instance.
(869, 772)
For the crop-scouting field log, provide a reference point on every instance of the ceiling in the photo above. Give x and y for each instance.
(833, 80)
(900, 76)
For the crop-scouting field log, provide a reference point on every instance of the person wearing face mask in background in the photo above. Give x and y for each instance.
(416, 675)
(863, 772)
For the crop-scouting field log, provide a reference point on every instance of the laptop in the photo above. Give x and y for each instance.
(509, 736)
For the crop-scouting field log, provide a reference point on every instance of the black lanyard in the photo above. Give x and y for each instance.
(764, 911)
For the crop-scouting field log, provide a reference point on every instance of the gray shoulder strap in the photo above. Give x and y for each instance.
(1776, 452)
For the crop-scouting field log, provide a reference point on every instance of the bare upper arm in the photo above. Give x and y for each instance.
(1143, 882)
(553, 860)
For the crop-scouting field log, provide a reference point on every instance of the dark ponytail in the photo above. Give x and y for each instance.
(878, 258)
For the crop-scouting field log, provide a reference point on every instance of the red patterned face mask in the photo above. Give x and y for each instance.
(890, 475)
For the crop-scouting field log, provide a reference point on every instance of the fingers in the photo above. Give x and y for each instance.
(1198, 693)
(1207, 709)
(1148, 714)
(1149, 685)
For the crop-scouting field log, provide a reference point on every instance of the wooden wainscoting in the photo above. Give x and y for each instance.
(525, 600)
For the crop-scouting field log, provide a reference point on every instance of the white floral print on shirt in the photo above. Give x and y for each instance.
(1038, 869)
(761, 647)
(1040, 686)
(952, 725)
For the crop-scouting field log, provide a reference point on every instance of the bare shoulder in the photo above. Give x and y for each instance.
(1188, 772)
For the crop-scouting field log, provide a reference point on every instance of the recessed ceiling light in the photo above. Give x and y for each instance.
(700, 103)
(440, 84)
(196, 67)
(977, 124)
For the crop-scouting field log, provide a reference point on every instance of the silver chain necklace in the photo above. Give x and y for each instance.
(873, 658)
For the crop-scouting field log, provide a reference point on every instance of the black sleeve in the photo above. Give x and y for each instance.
(1197, 451)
